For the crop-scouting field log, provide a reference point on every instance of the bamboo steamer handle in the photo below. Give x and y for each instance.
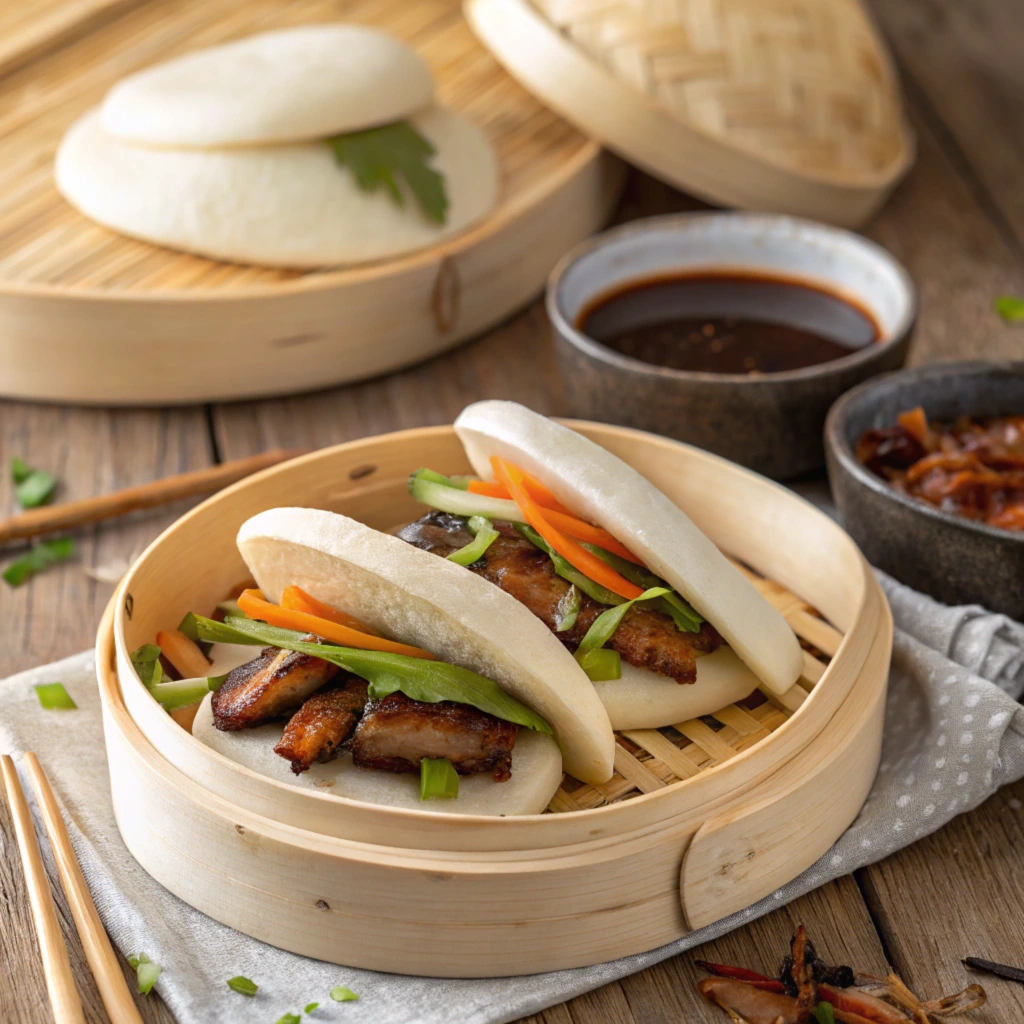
(743, 855)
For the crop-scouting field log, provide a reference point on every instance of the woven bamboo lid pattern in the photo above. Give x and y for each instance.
(789, 105)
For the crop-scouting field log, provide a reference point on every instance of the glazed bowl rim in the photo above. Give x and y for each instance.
(568, 330)
(837, 442)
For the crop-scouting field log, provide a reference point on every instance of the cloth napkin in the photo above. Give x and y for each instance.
(954, 733)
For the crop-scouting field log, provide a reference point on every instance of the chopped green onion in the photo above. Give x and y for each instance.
(231, 608)
(146, 662)
(438, 491)
(417, 678)
(188, 627)
(685, 617)
(568, 571)
(343, 994)
(567, 609)
(289, 1018)
(1010, 308)
(146, 972)
(53, 695)
(601, 665)
(180, 693)
(20, 470)
(484, 536)
(608, 621)
(35, 489)
(824, 1014)
(438, 779)
(40, 557)
(310, 1007)
(460, 482)
(243, 986)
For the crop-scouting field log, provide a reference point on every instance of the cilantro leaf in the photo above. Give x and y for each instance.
(378, 157)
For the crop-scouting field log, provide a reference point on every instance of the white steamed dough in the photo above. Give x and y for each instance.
(420, 599)
(294, 84)
(602, 489)
(287, 206)
(536, 773)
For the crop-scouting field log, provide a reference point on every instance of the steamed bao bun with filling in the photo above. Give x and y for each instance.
(261, 151)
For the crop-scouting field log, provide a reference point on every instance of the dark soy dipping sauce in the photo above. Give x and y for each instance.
(728, 323)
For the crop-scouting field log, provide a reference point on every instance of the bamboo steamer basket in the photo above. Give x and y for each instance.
(791, 106)
(90, 316)
(699, 821)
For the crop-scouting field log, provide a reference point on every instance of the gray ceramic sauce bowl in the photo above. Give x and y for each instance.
(771, 423)
(954, 559)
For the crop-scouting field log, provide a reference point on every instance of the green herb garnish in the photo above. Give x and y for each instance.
(567, 610)
(484, 535)
(243, 986)
(417, 678)
(378, 157)
(342, 994)
(1010, 308)
(35, 489)
(146, 662)
(146, 972)
(20, 470)
(601, 665)
(53, 696)
(824, 1014)
(310, 1007)
(40, 557)
(188, 627)
(438, 779)
(289, 1018)
(601, 632)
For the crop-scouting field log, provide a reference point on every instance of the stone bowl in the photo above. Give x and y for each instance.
(956, 560)
(771, 423)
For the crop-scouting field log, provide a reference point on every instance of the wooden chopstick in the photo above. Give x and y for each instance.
(67, 515)
(99, 952)
(60, 983)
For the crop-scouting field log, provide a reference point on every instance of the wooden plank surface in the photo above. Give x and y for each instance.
(958, 224)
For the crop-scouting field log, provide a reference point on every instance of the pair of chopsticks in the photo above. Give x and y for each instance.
(60, 983)
(51, 518)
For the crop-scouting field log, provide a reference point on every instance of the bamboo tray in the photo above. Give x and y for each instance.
(87, 315)
(699, 821)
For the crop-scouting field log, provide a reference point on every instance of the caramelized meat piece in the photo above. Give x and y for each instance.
(396, 732)
(317, 730)
(268, 687)
(645, 638)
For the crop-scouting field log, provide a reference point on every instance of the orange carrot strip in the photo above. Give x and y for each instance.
(297, 600)
(559, 516)
(255, 606)
(183, 654)
(600, 572)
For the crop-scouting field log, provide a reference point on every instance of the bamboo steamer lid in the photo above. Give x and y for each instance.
(784, 105)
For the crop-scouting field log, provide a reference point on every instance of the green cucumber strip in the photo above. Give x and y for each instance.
(180, 693)
(418, 678)
(425, 488)
(438, 779)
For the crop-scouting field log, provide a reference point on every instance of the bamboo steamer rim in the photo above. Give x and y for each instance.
(862, 620)
(567, 76)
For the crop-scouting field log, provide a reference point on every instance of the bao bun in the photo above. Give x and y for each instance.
(427, 601)
(285, 86)
(602, 489)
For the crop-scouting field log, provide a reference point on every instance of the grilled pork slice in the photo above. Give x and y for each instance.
(645, 638)
(396, 732)
(269, 686)
(317, 730)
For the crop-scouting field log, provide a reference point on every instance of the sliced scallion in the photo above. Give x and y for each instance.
(146, 662)
(231, 608)
(310, 1007)
(417, 678)
(243, 986)
(607, 622)
(565, 569)
(146, 972)
(484, 536)
(36, 489)
(438, 779)
(601, 665)
(40, 557)
(824, 1014)
(289, 1018)
(20, 470)
(343, 994)
(188, 627)
(180, 693)
(567, 609)
(53, 696)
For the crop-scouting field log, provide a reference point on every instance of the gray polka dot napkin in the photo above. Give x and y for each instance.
(954, 733)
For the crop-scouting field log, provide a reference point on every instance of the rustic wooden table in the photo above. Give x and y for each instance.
(957, 223)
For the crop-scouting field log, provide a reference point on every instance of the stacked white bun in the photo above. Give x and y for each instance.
(221, 152)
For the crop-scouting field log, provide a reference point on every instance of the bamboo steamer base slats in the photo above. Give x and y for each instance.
(675, 839)
(91, 316)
